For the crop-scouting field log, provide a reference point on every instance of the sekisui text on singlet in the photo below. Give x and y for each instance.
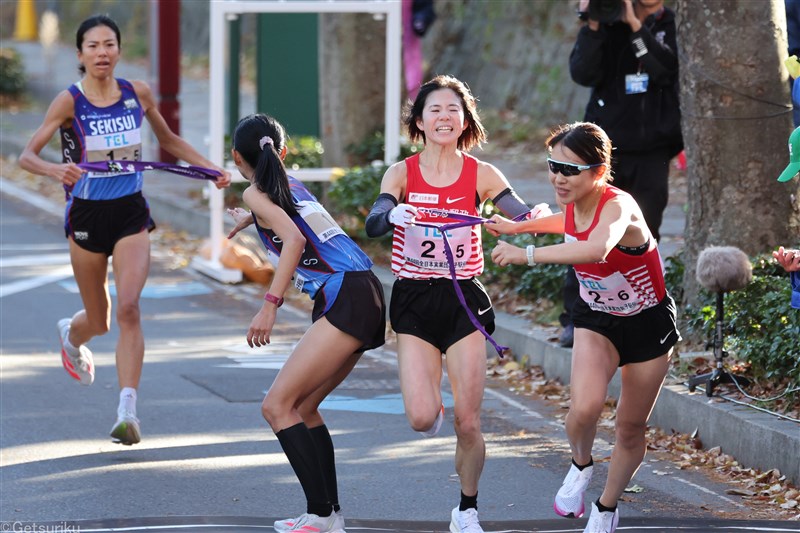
(623, 284)
(104, 134)
(418, 252)
(329, 252)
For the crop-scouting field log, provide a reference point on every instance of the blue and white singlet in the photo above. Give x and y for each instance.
(328, 254)
(102, 134)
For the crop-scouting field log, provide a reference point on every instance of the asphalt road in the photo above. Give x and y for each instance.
(208, 461)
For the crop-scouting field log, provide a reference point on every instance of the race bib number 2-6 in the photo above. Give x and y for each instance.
(612, 294)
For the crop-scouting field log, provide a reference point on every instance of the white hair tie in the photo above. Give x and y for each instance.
(266, 139)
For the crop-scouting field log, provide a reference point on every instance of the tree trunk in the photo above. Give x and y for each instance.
(736, 120)
(352, 74)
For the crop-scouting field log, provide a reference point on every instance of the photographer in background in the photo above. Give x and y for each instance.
(626, 51)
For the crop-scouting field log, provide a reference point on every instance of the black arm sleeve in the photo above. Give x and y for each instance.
(509, 203)
(377, 222)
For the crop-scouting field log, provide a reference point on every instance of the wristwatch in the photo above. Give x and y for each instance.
(274, 299)
(582, 15)
(529, 254)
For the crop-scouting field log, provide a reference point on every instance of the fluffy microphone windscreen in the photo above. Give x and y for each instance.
(723, 269)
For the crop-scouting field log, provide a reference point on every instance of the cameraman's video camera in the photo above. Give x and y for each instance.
(605, 11)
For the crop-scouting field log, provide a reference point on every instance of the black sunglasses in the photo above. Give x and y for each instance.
(568, 169)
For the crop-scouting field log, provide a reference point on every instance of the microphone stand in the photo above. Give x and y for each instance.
(719, 375)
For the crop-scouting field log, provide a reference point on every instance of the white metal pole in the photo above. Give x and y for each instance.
(216, 119)
(391, 134)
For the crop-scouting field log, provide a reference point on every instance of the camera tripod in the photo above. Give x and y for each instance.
(719, 374)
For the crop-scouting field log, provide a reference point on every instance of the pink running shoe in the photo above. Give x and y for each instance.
(569, 500)
(80, 367)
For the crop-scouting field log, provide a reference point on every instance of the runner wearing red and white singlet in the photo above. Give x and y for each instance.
(625, 318)
(428, 314)
(417, 251)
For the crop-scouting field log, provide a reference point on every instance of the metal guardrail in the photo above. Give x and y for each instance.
(303, 174)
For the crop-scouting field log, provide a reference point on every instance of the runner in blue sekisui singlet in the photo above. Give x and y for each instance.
(104, 134)
(99, 119)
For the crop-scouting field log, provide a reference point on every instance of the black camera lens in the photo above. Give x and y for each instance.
(605, 11)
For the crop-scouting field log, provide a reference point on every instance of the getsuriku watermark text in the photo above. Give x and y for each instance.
(33, 527)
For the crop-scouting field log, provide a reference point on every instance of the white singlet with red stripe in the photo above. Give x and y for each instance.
(418, 252)
(623, 284)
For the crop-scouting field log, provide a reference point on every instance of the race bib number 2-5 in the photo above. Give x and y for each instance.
(424, 247)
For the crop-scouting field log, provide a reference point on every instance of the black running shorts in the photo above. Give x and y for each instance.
(429, 309)
(358, 310)
(97, 225)
(637, 338)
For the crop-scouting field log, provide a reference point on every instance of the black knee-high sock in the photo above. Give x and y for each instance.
(327, 460)
(468, 502)
(299, 447)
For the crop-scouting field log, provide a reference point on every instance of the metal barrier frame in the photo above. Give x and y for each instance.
(220, 12)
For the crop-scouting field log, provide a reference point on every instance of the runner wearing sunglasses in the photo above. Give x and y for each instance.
(624, 317)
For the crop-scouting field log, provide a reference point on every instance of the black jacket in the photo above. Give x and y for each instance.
(601, 60)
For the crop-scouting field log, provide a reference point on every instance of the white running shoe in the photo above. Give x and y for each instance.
(437, 425)
(569, 499)
(311, 523)
(283, 526)
(126, 430)
(600, 522)
(465, 521)
(80, 367)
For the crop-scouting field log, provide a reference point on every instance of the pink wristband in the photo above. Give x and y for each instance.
(273, 299)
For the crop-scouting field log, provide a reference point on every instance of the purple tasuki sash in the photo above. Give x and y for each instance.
(128, 167)
(466, 220)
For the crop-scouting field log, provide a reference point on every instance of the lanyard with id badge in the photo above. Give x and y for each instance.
(636, 83)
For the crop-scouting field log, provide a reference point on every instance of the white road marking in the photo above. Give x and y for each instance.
(39, 247)
(34, 260)
(513, 403)
(31, 283)
(707, 491)
(21, 193)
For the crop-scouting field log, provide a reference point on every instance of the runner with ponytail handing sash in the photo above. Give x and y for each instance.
(312, 253)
